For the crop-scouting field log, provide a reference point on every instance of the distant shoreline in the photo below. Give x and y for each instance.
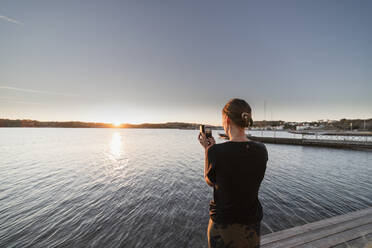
(341, 125)
(180, 128)
(79, 124)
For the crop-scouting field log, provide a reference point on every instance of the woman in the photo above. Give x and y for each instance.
(235, 170)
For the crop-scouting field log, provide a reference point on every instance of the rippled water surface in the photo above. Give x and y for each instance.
(145, 188)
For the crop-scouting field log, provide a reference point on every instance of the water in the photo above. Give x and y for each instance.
(145, 188)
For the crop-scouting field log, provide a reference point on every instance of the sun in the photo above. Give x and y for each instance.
(116, 124)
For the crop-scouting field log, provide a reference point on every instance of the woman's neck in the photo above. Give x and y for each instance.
(237, 134)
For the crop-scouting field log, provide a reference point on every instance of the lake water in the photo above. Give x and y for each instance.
(144, 187)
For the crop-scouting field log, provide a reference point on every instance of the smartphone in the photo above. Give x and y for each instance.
(202, 128)
(208, 132)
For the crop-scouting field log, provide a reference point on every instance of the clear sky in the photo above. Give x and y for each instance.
(159, 61)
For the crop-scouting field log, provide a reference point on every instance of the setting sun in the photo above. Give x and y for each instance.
(116, 124)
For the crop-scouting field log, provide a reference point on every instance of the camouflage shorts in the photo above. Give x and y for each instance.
(233, 235)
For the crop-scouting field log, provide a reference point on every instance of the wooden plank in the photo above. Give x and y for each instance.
(284, 234)
(316, 234)
(339, 238)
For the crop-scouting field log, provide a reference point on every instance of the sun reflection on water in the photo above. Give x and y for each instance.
(116, 145)
(116, 158)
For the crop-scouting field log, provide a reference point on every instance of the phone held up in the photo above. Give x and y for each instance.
(206, 130)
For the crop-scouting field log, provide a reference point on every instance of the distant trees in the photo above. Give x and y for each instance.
(343, 124)
(78, 124)
(359, 124)
(268, 123)
(33, 123)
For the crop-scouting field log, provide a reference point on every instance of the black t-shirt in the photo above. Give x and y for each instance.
(237, 170)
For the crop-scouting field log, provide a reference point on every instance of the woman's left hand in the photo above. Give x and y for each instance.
(206, 142)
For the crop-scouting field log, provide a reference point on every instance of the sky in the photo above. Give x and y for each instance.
(162, 61)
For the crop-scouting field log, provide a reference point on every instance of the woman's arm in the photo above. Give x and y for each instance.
(206, 166)
(206, 143)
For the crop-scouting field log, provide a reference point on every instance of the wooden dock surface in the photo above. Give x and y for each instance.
(324, 233)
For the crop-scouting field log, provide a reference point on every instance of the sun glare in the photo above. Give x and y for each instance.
(116, 124)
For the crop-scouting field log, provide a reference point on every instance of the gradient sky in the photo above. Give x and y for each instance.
(159, 61)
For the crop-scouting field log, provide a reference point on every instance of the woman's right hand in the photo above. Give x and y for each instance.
(206, 142)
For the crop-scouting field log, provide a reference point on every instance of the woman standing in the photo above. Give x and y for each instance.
(235, 170)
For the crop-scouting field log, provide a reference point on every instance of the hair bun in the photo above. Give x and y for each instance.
(239, 111)
(245, 115)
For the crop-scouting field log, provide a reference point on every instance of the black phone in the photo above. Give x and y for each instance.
(206, 130)
(202, 128)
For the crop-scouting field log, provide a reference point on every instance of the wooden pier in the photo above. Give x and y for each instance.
(360, 145)
(337, 232)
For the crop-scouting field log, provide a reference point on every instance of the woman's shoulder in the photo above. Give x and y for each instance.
(262, 147)
(254, 146)
(251, 143)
